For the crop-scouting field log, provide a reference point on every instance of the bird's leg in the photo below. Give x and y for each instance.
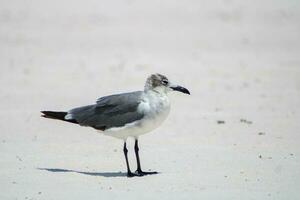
(139, 169)
(136, 150)
(129, 173)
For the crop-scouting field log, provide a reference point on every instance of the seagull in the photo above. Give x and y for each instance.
(126, 115)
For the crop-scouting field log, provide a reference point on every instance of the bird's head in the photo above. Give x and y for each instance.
(160, 83)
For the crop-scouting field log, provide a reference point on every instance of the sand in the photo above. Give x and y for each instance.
(236, 136)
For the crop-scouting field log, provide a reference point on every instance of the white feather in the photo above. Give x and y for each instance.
(68, 116)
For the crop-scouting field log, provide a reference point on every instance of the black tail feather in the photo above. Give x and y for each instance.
(57, 115)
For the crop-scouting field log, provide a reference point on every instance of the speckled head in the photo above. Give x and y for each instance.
(160, 83)
(156, 80)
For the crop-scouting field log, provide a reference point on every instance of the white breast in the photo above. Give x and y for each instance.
(155, 106)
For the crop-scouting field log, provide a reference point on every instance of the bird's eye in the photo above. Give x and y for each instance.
(165, 82)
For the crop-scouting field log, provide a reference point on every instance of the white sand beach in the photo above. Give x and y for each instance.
(235, 137)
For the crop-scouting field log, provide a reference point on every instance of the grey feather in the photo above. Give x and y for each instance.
(110, 111)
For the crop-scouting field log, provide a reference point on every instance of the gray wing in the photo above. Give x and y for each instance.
(109, 111)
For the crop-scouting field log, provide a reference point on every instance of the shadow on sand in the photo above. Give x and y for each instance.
(104, 174)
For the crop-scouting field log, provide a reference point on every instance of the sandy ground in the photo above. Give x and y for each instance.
(239, 60)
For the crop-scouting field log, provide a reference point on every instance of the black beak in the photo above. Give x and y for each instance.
(181, 89)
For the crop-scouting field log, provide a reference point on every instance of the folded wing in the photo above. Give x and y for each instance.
(109, 111)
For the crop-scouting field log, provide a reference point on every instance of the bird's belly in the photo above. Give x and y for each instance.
(150, 121)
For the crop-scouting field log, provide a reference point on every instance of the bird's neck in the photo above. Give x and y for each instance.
(157, 91)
